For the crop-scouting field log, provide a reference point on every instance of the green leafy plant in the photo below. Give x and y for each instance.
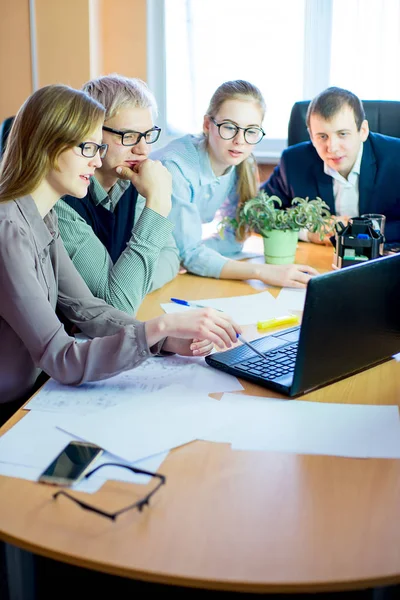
(264, 213)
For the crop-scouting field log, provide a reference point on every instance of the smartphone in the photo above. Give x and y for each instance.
(71, 464)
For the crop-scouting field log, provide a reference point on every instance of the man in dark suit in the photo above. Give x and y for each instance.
(353, 170)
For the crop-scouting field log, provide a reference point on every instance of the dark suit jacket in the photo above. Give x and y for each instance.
(301, 173)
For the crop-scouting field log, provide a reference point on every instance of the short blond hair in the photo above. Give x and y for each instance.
(115, 92)
(53, 119)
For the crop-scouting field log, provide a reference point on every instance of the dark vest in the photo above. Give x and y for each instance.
(113, 229)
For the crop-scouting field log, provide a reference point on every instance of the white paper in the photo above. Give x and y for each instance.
(300, 427)
(238, 413)
(245, 310)
(149, 424)
(152, 375)
(33, 443)
(290, 299)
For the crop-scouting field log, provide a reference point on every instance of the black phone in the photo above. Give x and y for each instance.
(71, 464)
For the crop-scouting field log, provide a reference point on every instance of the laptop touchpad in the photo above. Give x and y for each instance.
(289, 336)
(268, 343)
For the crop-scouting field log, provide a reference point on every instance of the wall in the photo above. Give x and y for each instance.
(124, 37)
(75, 40)
(62, 41)
(15, 56)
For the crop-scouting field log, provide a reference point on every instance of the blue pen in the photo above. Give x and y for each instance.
(187, 303)
(238, 335)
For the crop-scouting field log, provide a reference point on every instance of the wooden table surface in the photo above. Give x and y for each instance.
(234, 520)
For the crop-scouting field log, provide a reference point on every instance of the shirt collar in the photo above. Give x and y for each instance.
(100, 196)
(354, 171)
(44, 230)
(207, 175)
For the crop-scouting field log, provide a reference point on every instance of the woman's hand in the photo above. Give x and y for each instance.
(296, 276)
(201, 324)
(188, 347)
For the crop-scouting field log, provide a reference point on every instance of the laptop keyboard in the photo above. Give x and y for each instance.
(277, 362)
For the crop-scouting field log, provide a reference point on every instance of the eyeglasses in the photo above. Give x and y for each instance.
(139, 504)
(90, 149)
(228, 130)
(132, 138)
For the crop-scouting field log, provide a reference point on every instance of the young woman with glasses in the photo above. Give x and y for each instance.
(216, 172)
(53, 149)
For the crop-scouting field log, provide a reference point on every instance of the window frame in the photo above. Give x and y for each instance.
(316, 68)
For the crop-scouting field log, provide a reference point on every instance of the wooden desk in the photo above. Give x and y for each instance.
(243, 521)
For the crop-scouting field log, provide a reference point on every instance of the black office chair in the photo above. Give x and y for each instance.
(383, 117)
(4, 131)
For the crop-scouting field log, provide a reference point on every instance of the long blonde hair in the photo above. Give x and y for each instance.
(247, 185)
(53, 119)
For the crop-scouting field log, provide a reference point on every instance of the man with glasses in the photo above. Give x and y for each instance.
(119, 236)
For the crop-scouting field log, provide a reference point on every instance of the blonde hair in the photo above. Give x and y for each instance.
(53, 119)
(115, 92)
(247, 186)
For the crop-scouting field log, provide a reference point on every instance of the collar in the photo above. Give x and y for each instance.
(207, 175)
(44, 230)
(99, 194)
(354, 171)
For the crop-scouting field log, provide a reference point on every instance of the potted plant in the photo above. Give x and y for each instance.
(278, 226)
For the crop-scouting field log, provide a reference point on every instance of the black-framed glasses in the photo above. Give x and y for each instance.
(139, 504)
(131, 138)
(228, 130)
(90, 149)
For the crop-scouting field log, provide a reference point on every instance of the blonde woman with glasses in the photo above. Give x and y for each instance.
(216, 172)
(54, 148)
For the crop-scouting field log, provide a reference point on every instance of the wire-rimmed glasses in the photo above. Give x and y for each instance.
(139, 504)
(132, 138)
(228, 130)
(90, 149)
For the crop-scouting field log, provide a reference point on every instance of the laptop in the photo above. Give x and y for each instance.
(351, 321)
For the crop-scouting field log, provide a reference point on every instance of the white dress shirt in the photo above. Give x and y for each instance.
(345, 191)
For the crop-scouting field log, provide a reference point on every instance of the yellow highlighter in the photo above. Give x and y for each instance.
(277, 322)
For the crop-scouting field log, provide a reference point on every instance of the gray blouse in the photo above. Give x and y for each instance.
(36, 276)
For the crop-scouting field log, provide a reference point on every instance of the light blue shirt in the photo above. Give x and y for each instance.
(198, 196)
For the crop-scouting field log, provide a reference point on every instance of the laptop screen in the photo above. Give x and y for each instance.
(351, 321)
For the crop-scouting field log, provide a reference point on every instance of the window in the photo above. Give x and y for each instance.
(365, 48)
(290, 49)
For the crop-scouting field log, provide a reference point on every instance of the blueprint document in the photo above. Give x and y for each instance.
(151, 376)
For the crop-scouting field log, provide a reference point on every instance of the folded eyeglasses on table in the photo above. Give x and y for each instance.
(139, 504)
